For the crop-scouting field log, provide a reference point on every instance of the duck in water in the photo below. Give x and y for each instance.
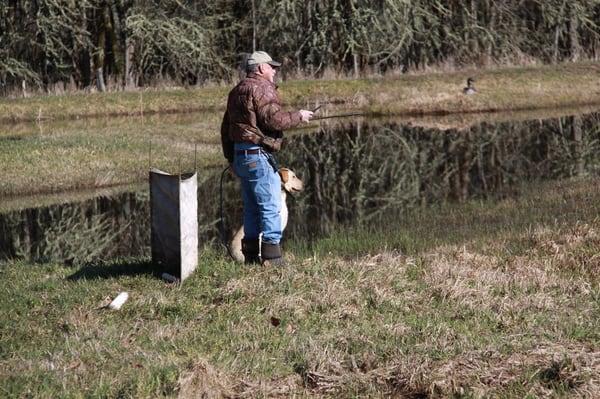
(470, 89)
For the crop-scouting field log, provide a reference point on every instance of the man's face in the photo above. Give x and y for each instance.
(268, 72)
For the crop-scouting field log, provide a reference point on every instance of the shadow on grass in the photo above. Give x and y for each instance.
(119, 268)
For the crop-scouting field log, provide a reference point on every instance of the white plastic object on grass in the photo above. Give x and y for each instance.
(118, 301)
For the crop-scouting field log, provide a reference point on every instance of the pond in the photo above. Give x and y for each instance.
(358, 172)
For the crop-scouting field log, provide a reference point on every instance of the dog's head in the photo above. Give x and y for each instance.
(289, 181)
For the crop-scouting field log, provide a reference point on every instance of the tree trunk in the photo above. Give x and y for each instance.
(253, 26)
(129, 52)
(556, 37)
(491, 28)
(100, 49)
(100, 80)
(473, 29)
(575, 47)
(577, 146)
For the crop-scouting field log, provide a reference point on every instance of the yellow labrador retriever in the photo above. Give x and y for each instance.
(290, 183)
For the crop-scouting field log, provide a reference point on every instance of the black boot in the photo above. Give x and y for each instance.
(271, 254)
(250, 250)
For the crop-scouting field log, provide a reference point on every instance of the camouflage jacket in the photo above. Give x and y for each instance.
(254, 110)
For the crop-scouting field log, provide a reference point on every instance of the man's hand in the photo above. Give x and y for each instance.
(306, 115)
(231, 171)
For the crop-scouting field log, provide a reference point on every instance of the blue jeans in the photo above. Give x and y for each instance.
(261, 194)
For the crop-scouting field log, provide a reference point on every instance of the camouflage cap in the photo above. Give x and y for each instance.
(261, 57)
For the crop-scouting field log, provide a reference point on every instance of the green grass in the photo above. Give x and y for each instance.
(494, 299)
(79, 105)
(102, 152)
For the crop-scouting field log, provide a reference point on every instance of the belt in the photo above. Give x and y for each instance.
(249, 152)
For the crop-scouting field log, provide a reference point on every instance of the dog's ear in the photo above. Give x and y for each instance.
(285, 175)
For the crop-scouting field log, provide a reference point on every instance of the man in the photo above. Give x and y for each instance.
(251, 131)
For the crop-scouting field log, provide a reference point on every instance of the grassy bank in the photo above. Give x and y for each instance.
(502, 89)
(494, 298)
(103, 152)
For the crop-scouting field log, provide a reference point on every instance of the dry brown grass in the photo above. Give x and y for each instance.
(203, 381)
(514, 291)
(476, 319)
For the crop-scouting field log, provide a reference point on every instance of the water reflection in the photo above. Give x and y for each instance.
(355, 173)
(100, 227)
(364, 172)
